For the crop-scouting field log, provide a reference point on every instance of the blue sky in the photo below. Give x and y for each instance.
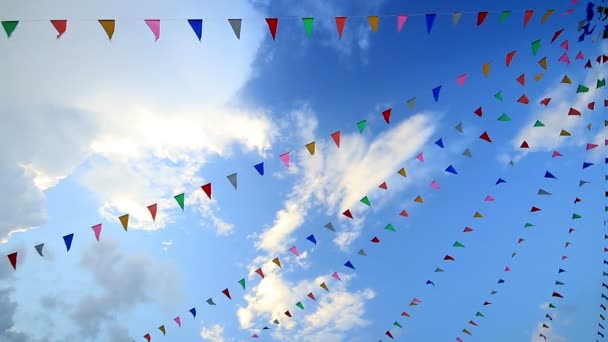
(94, 129)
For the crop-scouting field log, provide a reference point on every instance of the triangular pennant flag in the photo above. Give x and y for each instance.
(527, 16)
(193, 312)
(387, 115)
(543, 63)
(546, 16)
(294, 250)
(340, 23)
(335, 136)
(543, 192)
(260, 272)
(479, 314)
(461, 79)
(451, 170)
(576, 216)
(97, 231)
(311, 296)
(330, 227)
(235, 24)
(436, 91)
(361, 125)
(383, 186)
(61, 25)
(197, 27)
(481, 17)
(528, 225)
(486, 137)
(311, 148)
(521, 79)
(600, 83)
(162, 329)
(285, 158)
(375, 239)
(308, 23)
(288, 314)
(347, 213)
(152, 209)
(124, 220)
(390, 227)
(564, 45)
(535, 47)
(312, 239)
(226, 292)
(402, 172)
(242, 282)
(207, 189)
(479, 112)
(509, 58)
(486, 69)
(477, 215)
(524, 145)
(456, 18)
(210, 301)
(233, 180)
(549, 175)
(277, 261)
(388, 333)
(324, 286)
(588, 64)
(154, 26)
(458, 127)
(467, 153)
(581, 89)
(579, 56)
(448, 258)
(148, 337)
(373, 22)
(362, 253)
(411, 103)
(458, 244)
(397, 324)
(489, 199)
(108, 25)
(564, 58)
(67, 239)
(556, 34)
(401, 20)
(39, 248)
(349, 265)
(438, 270)
(430, 20)
(366, 201)
(467, 229)
(336, 276)
(523, 99)
(564, 133)
(435, 185)
(545, 101)
(573, 111)
(504, 117)
(12, 258)
(178, 321)
(538, 123)
(534, 209)
(273, 24)
(180, 200)
(504, 15)
(500, 180)
(9, 27)
(259, 168)
(590, 146)
(566, 80)
(586, 165)
(419, 199)
(404, 213)
(420, 157)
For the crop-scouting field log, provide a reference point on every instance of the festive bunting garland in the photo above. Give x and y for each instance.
(109, 25)
(601, 322)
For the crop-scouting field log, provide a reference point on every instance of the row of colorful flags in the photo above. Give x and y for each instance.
(109, 25)
(604, 298)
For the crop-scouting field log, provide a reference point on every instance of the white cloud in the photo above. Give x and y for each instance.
(214, 333)
(142, 117)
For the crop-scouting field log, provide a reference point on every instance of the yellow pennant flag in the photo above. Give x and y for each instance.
(546, 16)
(543, 63)
(402, 172)
(477, 215)
(486, 69)
(277, 261)
(162, 329)
(311, 148)
(411, 103)
(419, 199)
(324, 287)
(566, 80)
(564, 133)
(108, 25)
(538, 76)
(124, 220)
(373, 22)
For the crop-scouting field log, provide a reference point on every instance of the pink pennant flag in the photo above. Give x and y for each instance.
(564, 58)
(178, 321)
(285, 158)
(489, 198)
(154, 25)
(435, 185)
(97, 229)
(336, 276)
(605, 142)
(401, 19)
(255, 336)
(294, 250)
(507, 269)
(459, 339)
(591, 146)
(564, 45)
(461, 79)
(416, 300)
(420, 157)
(557, 154)
(580, 55)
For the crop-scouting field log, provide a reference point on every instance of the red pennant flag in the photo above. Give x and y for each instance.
(13, 259)
(387, 115)
(527, 16)
(272, 26)
(375, 239)
(348, 214)
(473, 323)
(448, 258)
(288, 314)
(226, 292)
(388, 333)
(487, 303)
(555, 294)
(61, 26)
(588, 65)
(591, 105)
(207, 189)
(520, 240)
(507, 269)
(311, 296)
(534, 209)
(485, 137)
(336, 137)
(510, 56)
(148, 337)
(573, 111)
(260, 272)
(557, 154)
(405, 314)
(383, 186)
(481, 17)
(556, 34)
(522, 79)
(606, 103)
(479, 111)
(523, 99)
(524, 145)
(467, 230)
(404, 213)
(340, 22)
(570, 230)
(152, 208)
(545, 101)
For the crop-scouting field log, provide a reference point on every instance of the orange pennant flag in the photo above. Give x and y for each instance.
(108, 25)
(486, 69)
(311, 148)
(124, 220)
(373, 22)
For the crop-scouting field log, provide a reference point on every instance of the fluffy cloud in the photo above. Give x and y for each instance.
(214, 333)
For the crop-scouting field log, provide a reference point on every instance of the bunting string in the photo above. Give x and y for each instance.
(604, 298)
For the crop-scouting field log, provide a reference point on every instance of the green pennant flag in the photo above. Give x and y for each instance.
(498, 96)
(504, 15)
(390, 227)
(180, 200)
(535, 47)
(479, 314)
(242, 282)
(457, 244)
(308, 25)
(576, 216)
(601, 83)
(10, 26)
(361, 125)
(528, 225)
(539, 124)
(582, 89)
(397, 324)
(504, 117)
(551, 306)
(366, 201)
(300, 305)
